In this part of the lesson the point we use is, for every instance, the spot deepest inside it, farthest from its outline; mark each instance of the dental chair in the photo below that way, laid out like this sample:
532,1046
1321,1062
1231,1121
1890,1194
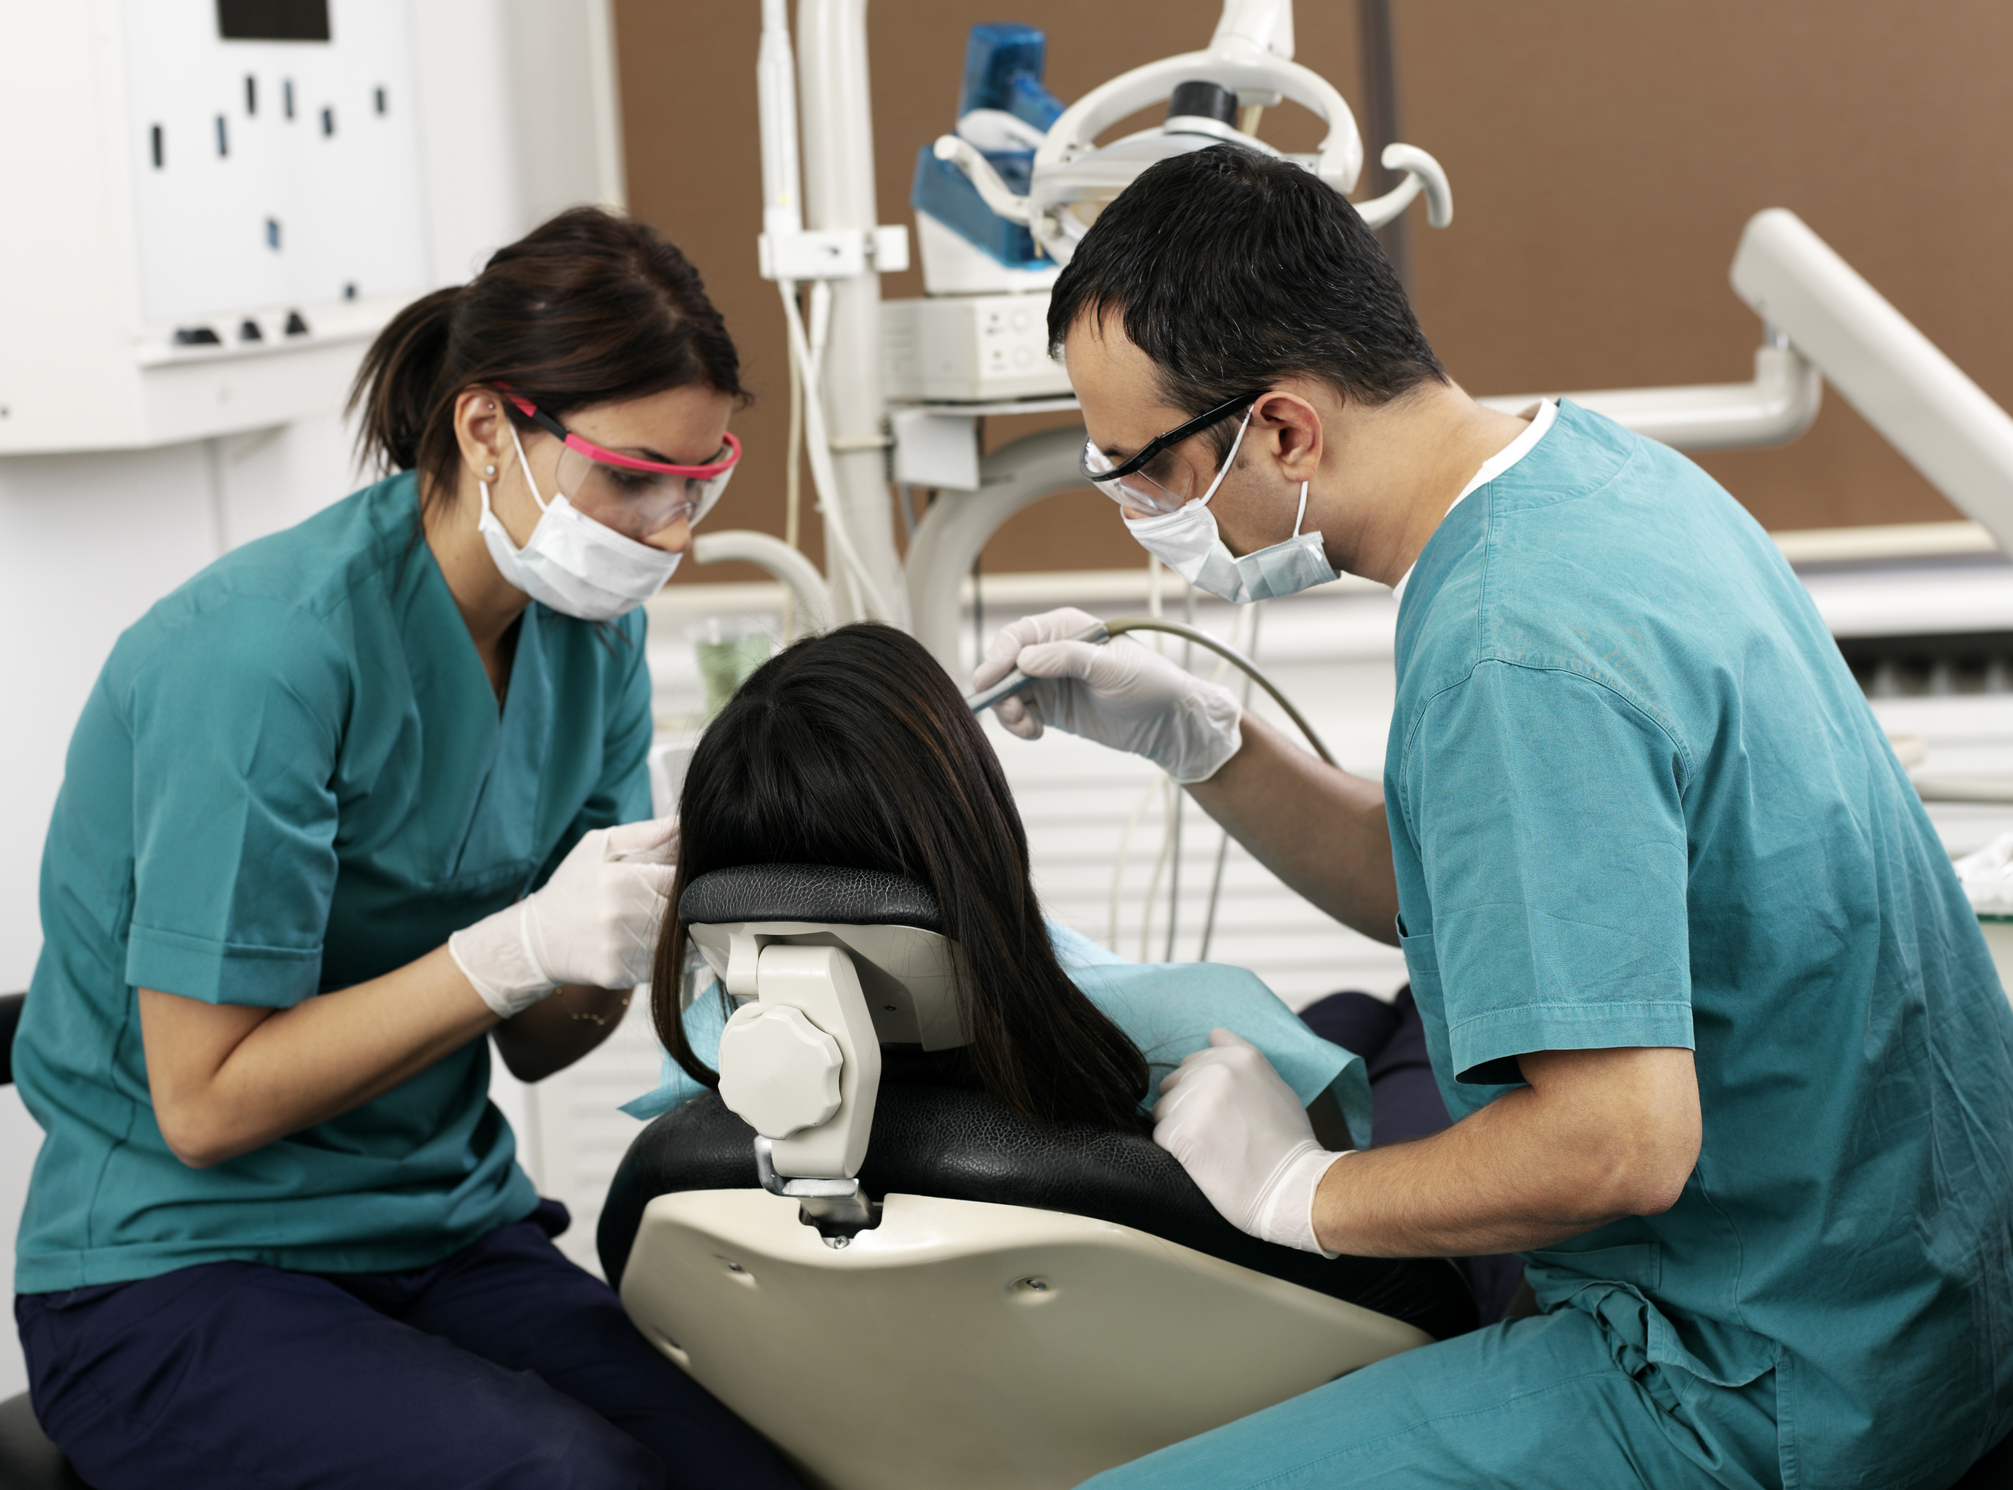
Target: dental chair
902,1284
1119,1310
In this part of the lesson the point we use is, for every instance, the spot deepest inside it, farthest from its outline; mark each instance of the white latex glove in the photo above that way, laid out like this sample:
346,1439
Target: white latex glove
1244,1138
594,922
1117,693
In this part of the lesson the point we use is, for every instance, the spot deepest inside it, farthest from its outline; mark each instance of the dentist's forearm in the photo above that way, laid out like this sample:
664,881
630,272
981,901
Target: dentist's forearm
1596,1136
229,1078
1321,830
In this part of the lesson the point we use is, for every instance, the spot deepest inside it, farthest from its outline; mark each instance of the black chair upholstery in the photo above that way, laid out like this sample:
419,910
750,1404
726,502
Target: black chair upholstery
808,892
10,1020
1993,1471
28,1461
959,1144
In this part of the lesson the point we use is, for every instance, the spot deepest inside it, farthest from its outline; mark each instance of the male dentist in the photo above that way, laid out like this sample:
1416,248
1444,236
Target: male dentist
1729,1062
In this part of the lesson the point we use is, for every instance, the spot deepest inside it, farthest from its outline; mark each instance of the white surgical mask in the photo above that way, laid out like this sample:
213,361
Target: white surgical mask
1187,542
572,563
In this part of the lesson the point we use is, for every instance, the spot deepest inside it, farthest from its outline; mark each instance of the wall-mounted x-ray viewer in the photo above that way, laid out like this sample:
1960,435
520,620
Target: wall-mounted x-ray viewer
223,202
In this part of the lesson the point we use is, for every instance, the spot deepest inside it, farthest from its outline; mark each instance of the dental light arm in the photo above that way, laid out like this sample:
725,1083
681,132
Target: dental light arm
1422,173
1774,408
1232,62
1946,426
1825,321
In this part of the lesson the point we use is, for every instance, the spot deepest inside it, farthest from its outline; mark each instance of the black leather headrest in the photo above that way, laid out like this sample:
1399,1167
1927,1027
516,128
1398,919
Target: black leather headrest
808,892
10,1020
960,1144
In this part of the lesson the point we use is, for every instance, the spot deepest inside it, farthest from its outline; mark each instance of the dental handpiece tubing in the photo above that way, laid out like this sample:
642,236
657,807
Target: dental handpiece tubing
1017,681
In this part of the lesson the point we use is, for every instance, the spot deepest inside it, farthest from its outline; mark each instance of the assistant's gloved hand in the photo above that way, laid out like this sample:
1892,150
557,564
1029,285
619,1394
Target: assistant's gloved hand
1119,694
1244,1138
594,922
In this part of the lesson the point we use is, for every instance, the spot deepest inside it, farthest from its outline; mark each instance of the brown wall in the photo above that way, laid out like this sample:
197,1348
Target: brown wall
1603,158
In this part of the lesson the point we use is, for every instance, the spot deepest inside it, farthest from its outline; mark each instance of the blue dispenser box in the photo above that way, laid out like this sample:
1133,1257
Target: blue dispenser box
1003,70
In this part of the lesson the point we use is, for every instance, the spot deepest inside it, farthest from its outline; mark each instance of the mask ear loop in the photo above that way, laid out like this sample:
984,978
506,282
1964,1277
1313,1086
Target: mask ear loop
525,466
1242,426
1300,516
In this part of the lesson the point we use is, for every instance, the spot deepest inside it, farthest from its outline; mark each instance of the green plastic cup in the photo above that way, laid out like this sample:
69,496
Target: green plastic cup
728,649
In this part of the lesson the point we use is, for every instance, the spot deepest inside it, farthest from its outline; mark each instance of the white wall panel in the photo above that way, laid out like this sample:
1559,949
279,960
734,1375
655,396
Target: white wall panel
272,173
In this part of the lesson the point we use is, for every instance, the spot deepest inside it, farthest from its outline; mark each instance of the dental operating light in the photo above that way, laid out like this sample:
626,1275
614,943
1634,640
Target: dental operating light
1248,60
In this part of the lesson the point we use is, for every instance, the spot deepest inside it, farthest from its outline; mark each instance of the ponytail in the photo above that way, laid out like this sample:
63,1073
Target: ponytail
398,389
587,308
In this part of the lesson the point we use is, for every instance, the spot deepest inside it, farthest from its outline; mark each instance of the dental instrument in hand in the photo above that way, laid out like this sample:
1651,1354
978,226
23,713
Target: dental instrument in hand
1018,681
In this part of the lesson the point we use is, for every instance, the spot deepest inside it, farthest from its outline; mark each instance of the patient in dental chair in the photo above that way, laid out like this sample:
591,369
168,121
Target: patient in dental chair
855,749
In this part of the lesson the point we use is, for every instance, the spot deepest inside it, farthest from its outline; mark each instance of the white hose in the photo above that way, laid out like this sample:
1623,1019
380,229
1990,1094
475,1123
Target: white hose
1171,800
1175,800
793,482
823,477
1246,641
1244,635
1118,859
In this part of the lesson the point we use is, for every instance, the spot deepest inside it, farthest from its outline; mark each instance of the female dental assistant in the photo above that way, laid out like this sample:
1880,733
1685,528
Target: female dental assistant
339,811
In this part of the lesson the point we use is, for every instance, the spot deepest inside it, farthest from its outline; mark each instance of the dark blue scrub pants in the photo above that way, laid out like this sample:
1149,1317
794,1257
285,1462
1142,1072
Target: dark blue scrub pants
504,1366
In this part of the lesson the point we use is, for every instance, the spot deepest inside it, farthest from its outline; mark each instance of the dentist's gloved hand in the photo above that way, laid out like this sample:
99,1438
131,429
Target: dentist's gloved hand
1119,694
594,922
1244,1138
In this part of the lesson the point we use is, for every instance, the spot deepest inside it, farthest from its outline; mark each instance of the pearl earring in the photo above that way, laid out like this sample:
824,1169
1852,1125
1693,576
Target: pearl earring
489,471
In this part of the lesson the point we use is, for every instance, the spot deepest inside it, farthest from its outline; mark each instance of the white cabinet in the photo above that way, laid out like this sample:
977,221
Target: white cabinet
202,229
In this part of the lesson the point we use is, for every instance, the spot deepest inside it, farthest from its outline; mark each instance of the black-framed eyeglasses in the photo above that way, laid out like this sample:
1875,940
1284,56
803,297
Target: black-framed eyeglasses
1126,483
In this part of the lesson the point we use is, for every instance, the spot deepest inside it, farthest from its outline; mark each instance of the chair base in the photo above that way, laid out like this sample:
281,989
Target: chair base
985,1346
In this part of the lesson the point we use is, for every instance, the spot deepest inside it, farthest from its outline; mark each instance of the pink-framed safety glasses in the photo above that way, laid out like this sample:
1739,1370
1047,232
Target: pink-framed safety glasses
633,495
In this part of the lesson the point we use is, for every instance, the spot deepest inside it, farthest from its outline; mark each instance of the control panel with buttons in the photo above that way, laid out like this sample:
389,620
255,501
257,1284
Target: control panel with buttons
969,349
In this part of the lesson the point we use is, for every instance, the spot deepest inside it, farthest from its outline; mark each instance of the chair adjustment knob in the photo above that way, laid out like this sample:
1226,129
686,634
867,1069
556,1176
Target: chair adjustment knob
778,1071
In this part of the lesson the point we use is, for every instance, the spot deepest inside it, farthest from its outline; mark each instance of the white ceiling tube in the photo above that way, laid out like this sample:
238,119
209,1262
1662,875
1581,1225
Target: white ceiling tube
789,565
1921,402
1773,409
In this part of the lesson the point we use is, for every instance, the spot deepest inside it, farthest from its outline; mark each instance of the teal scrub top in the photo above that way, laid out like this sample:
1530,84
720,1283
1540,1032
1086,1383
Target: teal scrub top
291,777
1166,1009
1636,799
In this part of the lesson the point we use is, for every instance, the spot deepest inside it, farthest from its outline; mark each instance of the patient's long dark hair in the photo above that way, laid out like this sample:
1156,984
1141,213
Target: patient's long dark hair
855,749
